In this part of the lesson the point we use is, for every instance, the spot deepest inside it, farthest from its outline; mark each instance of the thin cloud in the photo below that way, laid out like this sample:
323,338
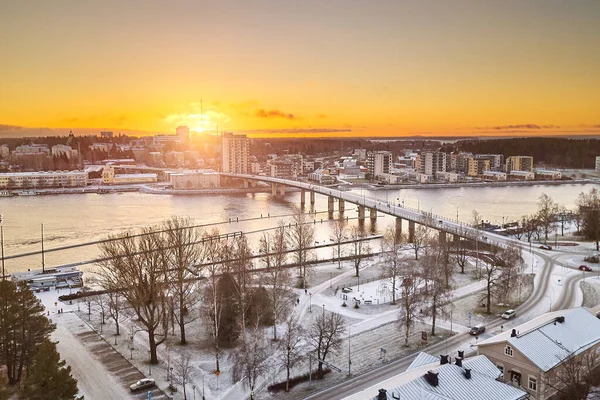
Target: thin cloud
296,131
261,113
4,127
521,126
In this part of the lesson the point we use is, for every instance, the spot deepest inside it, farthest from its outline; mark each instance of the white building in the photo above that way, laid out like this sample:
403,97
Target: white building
597,163
419,177
321,176
448,176
234,153
547,174
360,153
61,149
379,163
4,151
32,148
524,175
204,179
110,178
494,175
105,147
431,162
51,179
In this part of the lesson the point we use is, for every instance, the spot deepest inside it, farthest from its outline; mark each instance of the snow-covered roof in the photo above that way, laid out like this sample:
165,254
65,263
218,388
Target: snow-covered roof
547,342
452,382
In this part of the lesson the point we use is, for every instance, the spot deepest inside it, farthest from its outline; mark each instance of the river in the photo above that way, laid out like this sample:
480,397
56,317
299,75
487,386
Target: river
78,218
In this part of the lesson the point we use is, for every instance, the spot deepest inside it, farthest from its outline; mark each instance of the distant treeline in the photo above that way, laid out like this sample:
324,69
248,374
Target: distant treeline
552,152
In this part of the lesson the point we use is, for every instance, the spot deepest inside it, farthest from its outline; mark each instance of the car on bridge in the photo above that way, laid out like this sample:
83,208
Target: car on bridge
585,268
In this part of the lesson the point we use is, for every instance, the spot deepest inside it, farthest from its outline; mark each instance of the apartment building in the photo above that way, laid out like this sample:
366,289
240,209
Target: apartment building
188,180
477,166
432,162
234,153
519,163
52,179
379,163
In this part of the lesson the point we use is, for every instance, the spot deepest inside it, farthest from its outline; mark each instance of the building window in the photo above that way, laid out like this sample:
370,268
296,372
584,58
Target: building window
532,385
508,351
500,368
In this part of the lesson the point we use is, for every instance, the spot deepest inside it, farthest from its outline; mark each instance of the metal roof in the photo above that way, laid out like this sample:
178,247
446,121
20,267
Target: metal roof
549,344
453,385
422,359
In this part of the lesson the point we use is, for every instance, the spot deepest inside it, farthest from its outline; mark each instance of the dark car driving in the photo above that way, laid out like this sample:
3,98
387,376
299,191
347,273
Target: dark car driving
477,330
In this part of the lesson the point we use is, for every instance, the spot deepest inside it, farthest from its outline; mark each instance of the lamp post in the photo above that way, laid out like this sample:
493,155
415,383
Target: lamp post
349,357
310,302
194,389
323,312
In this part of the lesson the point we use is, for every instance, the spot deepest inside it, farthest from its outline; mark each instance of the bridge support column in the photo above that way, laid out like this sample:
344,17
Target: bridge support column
273,189
361,213
398,229
442,236
330,205
302,197
341,205
282,190
411,231
312,198
373,214
246,184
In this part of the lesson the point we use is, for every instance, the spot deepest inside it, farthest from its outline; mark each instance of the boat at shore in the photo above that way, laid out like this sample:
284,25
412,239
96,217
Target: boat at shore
6,193
27,193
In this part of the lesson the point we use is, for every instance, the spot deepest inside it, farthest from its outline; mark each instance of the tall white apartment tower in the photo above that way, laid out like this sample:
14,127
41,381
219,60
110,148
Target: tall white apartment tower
234,153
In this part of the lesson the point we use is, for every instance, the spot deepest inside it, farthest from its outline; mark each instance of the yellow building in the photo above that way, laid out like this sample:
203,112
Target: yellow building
519,163
110,178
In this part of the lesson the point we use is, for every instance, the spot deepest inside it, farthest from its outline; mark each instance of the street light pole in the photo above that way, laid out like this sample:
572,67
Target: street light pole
349,357
310,302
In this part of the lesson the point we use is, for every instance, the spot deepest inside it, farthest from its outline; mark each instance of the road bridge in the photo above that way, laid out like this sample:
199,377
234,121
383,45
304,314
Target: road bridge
413,216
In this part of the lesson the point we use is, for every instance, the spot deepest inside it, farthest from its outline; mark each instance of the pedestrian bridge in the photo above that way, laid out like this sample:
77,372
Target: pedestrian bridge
413,216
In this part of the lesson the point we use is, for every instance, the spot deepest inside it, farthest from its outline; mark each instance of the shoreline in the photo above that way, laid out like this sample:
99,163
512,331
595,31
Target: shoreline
162,191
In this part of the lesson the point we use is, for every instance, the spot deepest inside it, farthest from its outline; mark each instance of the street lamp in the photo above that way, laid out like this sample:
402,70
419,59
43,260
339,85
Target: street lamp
194,389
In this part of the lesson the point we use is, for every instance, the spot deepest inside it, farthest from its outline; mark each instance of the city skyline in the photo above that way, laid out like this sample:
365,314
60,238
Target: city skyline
339,68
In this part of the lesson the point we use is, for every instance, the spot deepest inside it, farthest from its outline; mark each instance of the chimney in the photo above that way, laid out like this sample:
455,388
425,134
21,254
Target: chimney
468,373
382,394
513,333
459,361
560,319
461,353
432,378
443,359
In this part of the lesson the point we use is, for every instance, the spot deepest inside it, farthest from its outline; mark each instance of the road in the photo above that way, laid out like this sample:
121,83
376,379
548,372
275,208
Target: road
463,341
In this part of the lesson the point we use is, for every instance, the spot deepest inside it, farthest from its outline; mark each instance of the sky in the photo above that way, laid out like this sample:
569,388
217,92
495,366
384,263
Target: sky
302,68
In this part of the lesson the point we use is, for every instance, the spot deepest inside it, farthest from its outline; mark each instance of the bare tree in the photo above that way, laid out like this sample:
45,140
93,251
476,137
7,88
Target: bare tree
134,265
183,252
577,218
213,297
434,269
301,236
101,300
115,309
183,372
410,299
576,377
511,263
325,333
360,248
394,260
420,236
250,361
292,347
277,275
589,211
339,234
492,274
546,213
241,268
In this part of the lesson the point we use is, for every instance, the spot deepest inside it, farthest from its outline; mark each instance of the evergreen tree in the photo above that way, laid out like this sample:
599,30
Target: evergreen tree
48,377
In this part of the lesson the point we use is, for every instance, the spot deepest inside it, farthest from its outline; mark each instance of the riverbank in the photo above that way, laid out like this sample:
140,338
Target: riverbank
479,184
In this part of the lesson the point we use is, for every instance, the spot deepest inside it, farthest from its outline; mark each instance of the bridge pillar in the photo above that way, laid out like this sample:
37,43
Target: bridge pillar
341,205
442,236
330,205
302,197
312,198
246,185
273,189
411,231
282,190
361,213
373,214
398,229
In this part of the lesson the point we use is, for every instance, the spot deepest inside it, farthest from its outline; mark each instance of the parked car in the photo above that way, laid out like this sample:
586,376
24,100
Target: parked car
142,384
477,329
508,314
585,268
546,247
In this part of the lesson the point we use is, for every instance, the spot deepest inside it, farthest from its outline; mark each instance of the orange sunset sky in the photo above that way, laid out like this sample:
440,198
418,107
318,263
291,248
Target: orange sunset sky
310,67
